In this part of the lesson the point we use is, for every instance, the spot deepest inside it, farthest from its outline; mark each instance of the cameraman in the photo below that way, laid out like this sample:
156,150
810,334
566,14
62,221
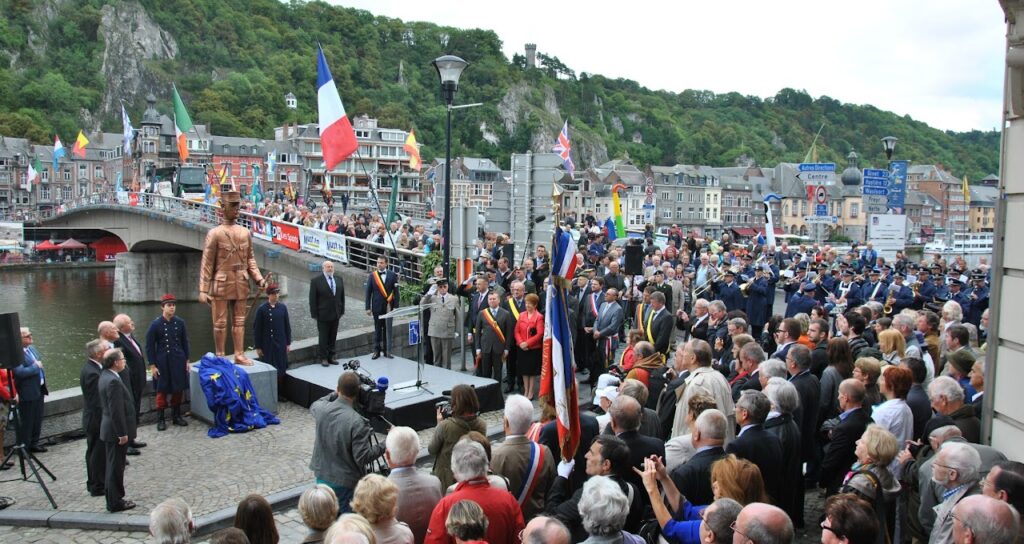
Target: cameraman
342,447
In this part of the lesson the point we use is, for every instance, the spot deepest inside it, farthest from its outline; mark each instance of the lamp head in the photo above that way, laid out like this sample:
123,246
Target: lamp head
889,144
449,69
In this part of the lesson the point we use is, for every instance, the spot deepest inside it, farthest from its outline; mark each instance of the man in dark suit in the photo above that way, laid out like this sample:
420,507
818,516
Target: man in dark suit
626,414
839,451
588,431
117,428
30,382
493,340
749,377
756,444
326,306
798,363
92,414
693,478
660,326
697,323
136,362
381,298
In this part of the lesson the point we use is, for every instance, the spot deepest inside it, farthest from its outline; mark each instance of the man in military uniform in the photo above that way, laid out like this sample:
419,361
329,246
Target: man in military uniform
445,313
272,333
168,353
227,265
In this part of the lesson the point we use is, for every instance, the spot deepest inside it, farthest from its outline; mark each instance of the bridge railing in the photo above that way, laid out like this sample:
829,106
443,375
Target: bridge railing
355,252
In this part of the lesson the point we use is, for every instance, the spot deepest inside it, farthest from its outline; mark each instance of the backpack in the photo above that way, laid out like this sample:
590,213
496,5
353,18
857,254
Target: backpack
656,380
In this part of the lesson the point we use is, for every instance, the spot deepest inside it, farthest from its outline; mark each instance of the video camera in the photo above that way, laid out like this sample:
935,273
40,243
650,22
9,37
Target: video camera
371,394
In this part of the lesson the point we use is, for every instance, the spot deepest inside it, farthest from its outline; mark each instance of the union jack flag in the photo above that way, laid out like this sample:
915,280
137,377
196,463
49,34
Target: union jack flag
564,149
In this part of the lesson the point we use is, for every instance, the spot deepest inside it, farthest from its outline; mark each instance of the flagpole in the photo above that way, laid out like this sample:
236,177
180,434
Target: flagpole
376,202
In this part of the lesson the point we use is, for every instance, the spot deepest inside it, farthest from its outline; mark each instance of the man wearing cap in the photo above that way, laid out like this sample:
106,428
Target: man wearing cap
167,349
729,292
227,265
658,281
978,296
272,333
792,287
445,312
874,288
959,295
903,296
802,304
847,291
925,288
757,299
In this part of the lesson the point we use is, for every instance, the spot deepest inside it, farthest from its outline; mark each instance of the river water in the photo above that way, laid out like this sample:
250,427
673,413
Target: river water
63,307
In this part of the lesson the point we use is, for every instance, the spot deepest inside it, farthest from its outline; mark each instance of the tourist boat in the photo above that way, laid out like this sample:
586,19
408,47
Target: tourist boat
966,243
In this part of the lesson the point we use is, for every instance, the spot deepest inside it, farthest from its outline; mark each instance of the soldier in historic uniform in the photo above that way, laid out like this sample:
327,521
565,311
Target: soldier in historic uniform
227,265
272,333
168,353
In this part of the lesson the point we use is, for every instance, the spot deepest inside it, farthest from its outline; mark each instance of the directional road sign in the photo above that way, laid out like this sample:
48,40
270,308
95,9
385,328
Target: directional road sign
876,191
821,219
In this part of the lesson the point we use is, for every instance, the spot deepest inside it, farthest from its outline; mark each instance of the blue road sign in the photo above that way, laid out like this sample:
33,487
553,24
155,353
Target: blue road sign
882,183
414,332
821,209
876,191
897,184
875,173
817,167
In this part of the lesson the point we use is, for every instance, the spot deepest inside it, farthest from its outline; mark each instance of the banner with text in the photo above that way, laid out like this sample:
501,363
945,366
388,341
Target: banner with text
313,241
287,235
888,234
261,229
335,247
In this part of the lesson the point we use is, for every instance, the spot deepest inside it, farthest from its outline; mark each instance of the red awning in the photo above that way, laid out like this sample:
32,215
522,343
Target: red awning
744,231
778,231
107,248
71,243
45,245
927,231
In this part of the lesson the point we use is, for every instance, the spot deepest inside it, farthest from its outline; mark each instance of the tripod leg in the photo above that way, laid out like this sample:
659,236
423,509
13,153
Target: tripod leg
32,461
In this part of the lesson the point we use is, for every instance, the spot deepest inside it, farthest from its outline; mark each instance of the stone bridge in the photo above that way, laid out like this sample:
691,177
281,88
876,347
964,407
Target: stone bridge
165,236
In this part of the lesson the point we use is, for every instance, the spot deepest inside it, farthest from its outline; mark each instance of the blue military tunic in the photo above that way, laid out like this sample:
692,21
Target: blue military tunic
272,334
167,349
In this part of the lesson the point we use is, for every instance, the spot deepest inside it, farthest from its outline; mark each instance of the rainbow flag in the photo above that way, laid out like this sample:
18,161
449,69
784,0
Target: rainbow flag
620,226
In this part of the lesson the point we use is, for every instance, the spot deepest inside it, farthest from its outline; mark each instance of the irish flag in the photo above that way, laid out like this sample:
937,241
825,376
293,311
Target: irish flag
35,171
337,139
182,124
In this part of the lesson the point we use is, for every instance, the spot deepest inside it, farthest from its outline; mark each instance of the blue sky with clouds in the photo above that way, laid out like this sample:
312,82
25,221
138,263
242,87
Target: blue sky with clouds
939,61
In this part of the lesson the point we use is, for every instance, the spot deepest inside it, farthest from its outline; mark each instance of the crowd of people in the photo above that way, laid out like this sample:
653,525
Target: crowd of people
715,411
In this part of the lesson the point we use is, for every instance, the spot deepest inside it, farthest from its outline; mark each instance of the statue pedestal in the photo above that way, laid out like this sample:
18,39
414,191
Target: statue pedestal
264,382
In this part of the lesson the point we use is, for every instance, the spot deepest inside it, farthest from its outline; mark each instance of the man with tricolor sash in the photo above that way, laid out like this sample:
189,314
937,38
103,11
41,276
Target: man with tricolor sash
381,298
493,338
528,466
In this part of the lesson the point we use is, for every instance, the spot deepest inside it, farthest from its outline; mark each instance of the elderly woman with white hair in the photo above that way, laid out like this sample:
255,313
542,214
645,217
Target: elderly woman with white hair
171,522
604,507
318,507
785,401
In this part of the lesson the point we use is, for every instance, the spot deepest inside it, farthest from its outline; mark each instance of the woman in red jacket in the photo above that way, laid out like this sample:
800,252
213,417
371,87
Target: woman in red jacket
8,397
529,340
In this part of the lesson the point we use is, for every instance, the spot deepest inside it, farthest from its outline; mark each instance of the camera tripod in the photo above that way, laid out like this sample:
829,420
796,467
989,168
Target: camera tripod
26,457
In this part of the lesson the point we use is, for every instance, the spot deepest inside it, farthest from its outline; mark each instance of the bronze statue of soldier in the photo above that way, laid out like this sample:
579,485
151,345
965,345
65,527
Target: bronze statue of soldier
228,264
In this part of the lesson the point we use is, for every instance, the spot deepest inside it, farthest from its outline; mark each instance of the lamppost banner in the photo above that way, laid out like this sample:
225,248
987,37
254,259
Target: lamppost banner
897,185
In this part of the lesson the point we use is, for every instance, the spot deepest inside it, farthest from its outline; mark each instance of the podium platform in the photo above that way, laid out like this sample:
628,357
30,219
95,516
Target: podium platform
264,382
411,407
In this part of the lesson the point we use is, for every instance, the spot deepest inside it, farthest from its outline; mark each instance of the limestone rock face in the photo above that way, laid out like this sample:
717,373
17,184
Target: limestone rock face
131,39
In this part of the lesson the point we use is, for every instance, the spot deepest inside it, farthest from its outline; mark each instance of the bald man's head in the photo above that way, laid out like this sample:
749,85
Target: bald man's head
764,524
545,530
979,518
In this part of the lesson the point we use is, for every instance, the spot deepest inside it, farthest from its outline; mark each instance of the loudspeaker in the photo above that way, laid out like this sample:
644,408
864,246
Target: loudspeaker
634,260
11,354
509,251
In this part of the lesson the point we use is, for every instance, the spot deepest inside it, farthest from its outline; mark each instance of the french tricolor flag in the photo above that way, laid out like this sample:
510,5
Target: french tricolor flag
337,139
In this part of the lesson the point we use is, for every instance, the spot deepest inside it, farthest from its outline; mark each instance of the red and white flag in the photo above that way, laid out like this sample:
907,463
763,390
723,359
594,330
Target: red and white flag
337,139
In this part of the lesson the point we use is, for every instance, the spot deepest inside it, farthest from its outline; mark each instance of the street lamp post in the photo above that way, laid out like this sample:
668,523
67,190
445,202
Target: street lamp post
449,68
